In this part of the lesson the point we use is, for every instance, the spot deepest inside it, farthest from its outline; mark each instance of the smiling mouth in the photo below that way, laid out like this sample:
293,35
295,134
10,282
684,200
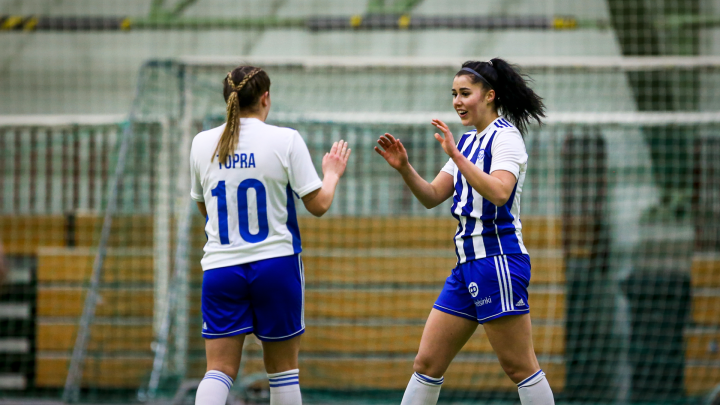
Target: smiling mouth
462,113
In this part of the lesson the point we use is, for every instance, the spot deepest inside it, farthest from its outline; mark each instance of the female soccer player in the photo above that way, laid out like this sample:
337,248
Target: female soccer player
245,174
485,175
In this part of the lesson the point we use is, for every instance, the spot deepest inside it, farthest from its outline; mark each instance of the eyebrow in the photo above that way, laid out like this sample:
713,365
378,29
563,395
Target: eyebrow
463,88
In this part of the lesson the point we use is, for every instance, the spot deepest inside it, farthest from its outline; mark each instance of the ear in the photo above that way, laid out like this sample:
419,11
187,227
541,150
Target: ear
490,96
265,99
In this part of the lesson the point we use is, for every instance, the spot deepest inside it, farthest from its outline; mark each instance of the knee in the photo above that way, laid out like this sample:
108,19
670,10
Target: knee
226,369
514,373
277,364
517,373
425,366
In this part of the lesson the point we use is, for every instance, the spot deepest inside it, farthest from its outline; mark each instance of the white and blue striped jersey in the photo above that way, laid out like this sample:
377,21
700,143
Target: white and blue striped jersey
484,229
250,198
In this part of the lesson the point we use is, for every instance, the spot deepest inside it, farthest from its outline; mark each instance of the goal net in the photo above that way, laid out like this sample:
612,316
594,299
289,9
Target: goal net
620,213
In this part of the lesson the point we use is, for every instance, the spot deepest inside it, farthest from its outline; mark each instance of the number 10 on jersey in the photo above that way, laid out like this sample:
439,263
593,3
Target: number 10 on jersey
242,210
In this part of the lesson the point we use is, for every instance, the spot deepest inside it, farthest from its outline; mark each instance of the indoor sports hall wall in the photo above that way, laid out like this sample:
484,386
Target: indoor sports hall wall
621,206
95,72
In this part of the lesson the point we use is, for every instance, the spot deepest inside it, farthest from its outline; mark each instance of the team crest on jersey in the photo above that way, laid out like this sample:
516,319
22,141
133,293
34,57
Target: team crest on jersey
473,289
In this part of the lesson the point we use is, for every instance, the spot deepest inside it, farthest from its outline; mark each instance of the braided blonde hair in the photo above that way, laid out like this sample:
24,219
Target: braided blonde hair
230,136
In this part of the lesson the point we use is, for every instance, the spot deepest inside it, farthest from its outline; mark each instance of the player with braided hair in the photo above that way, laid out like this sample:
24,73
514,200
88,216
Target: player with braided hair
253,276
484,175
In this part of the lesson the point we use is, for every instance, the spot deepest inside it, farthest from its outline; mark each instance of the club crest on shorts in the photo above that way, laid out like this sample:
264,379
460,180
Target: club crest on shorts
473,289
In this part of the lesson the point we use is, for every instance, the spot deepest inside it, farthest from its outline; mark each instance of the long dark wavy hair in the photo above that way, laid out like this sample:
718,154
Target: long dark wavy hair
513,98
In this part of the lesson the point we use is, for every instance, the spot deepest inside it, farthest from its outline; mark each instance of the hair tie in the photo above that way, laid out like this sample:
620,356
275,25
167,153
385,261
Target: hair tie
490,63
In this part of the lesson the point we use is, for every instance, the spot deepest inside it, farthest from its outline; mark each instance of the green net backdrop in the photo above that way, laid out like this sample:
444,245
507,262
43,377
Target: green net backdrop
620,208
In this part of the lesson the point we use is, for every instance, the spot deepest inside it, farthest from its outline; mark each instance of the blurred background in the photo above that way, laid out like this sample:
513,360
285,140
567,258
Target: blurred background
99,101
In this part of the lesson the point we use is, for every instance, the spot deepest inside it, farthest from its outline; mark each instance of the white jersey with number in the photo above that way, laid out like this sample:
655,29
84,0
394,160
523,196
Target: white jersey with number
251,197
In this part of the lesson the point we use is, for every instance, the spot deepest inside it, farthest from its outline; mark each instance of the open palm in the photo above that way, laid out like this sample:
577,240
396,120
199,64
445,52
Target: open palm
447,142
392,151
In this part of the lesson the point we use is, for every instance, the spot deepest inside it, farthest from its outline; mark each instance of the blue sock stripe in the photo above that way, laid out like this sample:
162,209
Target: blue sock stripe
432,384
221,375
529,379
284,384
218,379
278,379
429,380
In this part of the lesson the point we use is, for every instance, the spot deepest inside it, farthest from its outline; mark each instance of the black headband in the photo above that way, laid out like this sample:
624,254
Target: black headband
467,69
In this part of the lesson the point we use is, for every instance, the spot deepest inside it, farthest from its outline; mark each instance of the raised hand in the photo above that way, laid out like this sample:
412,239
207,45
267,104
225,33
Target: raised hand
392,151
447,142
335,161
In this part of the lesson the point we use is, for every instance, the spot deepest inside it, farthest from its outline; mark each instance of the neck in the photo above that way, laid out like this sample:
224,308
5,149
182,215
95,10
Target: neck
260,114
486,120
261,117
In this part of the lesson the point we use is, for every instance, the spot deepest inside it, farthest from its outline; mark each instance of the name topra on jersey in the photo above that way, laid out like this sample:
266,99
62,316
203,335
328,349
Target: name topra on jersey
250,198
484,229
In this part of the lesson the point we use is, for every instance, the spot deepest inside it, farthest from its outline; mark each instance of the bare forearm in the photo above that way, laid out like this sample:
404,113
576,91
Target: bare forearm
425,192
491,188
320,203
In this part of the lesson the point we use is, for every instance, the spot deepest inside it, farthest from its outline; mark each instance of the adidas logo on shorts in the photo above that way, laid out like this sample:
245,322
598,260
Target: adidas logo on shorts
204,325
520,303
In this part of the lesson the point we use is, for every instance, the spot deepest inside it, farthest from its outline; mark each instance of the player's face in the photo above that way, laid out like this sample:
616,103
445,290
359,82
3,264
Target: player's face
467,100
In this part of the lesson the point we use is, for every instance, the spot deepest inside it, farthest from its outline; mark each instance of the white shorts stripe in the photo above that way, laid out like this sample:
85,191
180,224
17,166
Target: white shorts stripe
500,283
280,337
227,333
503,273
509,279
457,312
302,281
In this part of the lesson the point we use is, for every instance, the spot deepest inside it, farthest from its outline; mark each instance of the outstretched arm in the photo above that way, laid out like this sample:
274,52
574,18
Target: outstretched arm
429,194
333,165
496,187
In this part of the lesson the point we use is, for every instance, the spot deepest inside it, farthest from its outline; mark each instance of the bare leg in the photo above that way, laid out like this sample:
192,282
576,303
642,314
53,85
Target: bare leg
281,363
223,361
511,338
224,354
443,337
281,356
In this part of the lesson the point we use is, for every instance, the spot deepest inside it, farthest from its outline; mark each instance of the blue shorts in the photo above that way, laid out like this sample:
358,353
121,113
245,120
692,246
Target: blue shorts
264,297
487,288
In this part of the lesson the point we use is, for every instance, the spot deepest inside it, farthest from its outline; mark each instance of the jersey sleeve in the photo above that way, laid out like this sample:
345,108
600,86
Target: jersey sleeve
301,172
196,190
508,153
449,167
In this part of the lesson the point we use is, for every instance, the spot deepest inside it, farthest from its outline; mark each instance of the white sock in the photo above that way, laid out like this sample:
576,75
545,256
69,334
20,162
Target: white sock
213,389
285,388
535,390
422,390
